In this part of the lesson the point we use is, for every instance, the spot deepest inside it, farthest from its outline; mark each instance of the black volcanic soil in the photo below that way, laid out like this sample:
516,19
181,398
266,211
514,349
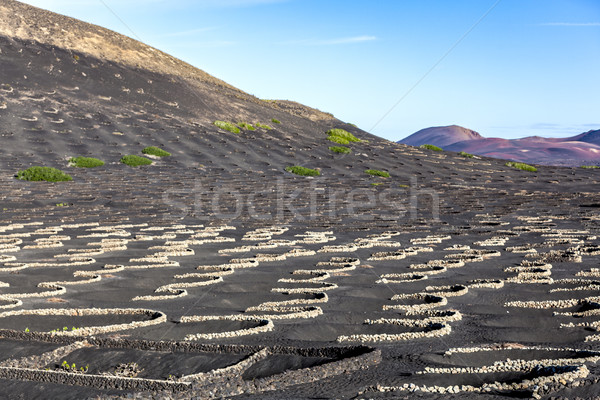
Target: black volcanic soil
221,186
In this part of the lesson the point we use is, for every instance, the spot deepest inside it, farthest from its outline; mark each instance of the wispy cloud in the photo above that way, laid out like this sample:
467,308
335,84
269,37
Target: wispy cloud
545,125
575,24
355,39
190,32
209,44
331,42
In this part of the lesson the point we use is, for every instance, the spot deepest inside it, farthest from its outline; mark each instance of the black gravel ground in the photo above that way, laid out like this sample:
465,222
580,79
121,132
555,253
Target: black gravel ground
216,178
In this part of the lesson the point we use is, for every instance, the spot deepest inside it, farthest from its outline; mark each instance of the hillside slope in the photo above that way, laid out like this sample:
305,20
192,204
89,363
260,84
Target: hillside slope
62,98
592,136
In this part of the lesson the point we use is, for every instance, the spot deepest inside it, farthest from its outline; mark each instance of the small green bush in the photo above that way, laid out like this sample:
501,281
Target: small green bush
430,147
247,126
43,174
135,161
263,126
228,126
524,167
340,149
376,172
85,162
590,166
156,151
338,140
465,154
376,183
275,121
341,134
302,171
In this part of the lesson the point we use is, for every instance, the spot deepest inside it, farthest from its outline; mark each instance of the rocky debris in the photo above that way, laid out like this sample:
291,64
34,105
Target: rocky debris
263,325
531,272
429,301
432,330
486,283
125,370
560,256
541,377
447,290
341,248
177,290
155,318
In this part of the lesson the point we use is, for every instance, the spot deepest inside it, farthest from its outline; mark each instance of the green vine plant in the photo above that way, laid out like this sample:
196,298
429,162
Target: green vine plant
65,366
64,329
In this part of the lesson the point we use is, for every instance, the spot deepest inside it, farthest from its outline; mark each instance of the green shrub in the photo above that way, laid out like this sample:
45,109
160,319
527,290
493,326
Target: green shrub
524,167
263,126
156,151
228,126
376,172
376,183
430,147
403,186
43,174
85,162
590,166
135,161
275,121
465,154
302,171
247,126
341,134
340,149
338,140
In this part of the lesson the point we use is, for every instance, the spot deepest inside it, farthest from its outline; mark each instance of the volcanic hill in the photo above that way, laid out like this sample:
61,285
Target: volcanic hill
441,136
222,271
583,149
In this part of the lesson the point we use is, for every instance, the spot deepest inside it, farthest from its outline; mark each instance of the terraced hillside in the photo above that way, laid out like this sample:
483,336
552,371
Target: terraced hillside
214,272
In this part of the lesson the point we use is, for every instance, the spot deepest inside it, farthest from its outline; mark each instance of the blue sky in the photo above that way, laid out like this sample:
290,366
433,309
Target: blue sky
508,68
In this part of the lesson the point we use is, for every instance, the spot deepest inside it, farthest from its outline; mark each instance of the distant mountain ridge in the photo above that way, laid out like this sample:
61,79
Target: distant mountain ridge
441,136
589,137
571,151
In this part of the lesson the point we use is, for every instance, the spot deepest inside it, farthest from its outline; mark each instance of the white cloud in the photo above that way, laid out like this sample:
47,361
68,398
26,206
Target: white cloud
577,24
190,32
329,42
208,44
355,39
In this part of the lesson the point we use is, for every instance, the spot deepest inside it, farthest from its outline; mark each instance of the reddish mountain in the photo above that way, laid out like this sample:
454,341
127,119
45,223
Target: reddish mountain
441,136
572,151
